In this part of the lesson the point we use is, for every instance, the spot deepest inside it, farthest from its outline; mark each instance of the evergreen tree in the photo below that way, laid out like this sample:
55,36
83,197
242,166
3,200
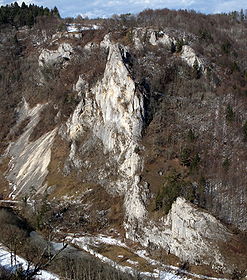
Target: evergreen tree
55,12
24,6
24,15
241,15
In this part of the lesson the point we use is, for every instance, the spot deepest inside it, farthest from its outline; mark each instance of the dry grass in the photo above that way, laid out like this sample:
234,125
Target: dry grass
113,252
235,252
206,271
163,257
70,185
100,200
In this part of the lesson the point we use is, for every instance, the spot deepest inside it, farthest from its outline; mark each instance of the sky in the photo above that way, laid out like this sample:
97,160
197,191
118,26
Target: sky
106,8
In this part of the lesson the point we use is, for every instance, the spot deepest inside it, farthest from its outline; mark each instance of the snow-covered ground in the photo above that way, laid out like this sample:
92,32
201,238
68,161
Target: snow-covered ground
83,242
86,242
77,27
162,272
5,261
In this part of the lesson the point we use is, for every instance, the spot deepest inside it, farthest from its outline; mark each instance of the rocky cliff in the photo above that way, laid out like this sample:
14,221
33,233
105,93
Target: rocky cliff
154,111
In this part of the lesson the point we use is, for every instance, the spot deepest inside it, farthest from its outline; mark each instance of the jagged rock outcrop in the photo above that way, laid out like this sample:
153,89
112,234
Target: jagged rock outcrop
162,38
187,54
113,112
90,46
70,35
51,57
106,42
187,232
190,57
139,37
81,86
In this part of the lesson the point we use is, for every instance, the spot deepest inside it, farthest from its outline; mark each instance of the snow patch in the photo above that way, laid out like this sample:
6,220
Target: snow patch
5,261
78,27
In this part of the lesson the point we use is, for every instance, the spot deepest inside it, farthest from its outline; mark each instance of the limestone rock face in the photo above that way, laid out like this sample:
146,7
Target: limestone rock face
90,46
187,232
70,35
51,57
193,230
106,42
139,37
189,56
157,38
29,160
113,113
81,86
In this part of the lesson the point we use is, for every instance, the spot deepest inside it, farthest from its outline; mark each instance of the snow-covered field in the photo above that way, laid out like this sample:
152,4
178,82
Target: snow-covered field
5,261
78,28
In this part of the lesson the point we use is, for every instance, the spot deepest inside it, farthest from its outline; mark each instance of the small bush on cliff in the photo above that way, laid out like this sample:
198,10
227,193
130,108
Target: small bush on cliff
179,45
245,131
226,47
226,164
168,193
189,158
192,136
230,115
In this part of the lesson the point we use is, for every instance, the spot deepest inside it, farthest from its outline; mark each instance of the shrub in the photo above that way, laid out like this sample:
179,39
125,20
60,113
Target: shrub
168,193
226,163
230,115
173,48
195,161
186,157
245,131
234,67
226,47
191,136
190,159
174,186
179,45
204,34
